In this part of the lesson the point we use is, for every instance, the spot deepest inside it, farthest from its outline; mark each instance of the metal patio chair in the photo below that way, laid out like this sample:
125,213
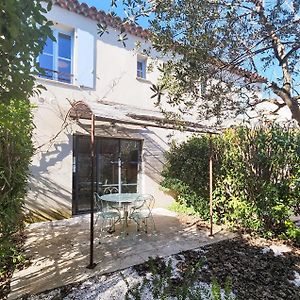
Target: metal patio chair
110,190
141,211
108,214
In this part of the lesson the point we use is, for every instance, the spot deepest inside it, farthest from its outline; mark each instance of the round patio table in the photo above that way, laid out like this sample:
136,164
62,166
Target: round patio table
121,198
124,200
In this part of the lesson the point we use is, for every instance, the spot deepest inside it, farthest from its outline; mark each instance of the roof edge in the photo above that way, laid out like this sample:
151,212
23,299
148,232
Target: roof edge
102,17
138,31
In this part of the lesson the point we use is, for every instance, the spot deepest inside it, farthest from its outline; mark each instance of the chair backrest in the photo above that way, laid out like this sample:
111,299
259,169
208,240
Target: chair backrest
110,190
144,201
103,206
150,201
98,202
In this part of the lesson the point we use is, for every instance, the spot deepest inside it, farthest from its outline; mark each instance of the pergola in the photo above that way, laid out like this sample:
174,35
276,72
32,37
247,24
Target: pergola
116,113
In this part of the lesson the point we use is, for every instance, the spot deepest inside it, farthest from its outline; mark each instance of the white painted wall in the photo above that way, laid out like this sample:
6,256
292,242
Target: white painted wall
50,189
115,66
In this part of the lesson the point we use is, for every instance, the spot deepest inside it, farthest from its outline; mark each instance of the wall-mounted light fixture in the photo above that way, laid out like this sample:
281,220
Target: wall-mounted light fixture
113,127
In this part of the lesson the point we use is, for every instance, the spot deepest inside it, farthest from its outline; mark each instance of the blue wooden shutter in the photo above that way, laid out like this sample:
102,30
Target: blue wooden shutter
85,59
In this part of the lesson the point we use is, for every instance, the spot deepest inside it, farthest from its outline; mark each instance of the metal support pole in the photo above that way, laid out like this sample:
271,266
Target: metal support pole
211,185
92,149
119,175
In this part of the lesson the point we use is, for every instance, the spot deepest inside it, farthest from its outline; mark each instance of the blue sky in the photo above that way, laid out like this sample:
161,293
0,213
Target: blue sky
105,5
100,4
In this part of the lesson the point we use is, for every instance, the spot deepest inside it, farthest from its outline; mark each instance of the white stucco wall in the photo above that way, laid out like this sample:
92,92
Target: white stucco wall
50,189
115,65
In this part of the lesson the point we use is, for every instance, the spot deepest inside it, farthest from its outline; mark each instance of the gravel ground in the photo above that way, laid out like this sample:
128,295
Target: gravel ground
259,270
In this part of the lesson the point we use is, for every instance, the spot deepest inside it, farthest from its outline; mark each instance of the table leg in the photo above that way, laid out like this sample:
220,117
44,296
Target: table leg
125,219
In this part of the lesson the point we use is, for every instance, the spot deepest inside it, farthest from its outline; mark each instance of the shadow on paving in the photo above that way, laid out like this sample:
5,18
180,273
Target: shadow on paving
59,250
255,275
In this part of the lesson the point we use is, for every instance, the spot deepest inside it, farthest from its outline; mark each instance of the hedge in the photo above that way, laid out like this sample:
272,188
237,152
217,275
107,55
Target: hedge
16,150
256,178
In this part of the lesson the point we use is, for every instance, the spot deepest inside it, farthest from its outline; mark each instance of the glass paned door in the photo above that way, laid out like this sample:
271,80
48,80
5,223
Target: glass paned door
117,164
107,154
81,174
129,155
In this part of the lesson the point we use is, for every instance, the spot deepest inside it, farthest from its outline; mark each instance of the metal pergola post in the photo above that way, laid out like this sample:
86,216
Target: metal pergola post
211,185
92,264
82,110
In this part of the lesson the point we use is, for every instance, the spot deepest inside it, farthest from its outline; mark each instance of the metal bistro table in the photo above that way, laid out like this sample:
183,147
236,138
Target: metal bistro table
124,201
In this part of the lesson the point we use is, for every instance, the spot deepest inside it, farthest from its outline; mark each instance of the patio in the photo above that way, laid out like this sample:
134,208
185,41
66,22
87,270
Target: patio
59,250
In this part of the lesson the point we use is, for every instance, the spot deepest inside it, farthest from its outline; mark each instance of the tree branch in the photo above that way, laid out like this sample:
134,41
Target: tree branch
295,48
291,102
278,47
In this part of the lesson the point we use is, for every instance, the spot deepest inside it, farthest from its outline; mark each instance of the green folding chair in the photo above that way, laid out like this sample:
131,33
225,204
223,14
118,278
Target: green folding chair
107,214
141,211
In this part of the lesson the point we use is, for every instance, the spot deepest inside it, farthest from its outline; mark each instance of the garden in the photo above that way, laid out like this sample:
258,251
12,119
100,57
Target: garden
256,176
256,170
241,268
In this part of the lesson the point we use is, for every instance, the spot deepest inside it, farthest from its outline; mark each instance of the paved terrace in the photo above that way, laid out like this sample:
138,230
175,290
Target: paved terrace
59,250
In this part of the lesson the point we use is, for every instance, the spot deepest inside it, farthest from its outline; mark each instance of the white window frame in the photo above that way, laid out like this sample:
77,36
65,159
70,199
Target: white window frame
143,71
55,56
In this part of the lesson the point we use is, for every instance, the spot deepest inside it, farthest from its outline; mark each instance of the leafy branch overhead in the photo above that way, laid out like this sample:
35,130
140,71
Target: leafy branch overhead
23,33
239,49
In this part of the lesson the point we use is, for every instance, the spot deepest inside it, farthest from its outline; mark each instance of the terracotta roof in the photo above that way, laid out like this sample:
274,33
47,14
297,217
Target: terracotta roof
116,22
253,77
101,17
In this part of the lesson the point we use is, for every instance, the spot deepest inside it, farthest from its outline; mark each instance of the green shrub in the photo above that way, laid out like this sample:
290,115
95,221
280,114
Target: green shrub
186,173
256,177
16,150
163,285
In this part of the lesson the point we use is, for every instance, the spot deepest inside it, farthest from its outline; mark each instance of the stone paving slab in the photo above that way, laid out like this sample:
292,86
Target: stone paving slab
59,250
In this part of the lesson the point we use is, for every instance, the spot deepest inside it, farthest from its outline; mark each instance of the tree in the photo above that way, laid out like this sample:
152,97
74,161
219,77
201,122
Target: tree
23,33
232,45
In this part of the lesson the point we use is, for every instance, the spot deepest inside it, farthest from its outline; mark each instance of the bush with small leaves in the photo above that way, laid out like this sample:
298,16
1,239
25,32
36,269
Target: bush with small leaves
256,178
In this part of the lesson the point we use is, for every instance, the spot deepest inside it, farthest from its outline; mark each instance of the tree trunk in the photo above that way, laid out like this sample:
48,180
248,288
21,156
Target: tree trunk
290,101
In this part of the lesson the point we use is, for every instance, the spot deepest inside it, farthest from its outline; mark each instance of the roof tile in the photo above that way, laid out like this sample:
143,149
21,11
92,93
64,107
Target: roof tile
116,22
100,16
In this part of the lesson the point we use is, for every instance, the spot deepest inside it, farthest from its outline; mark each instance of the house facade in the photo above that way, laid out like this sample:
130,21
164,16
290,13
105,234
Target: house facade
82,66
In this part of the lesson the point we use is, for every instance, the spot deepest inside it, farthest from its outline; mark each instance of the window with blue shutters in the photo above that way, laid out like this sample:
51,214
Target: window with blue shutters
85,48
56,59
141,67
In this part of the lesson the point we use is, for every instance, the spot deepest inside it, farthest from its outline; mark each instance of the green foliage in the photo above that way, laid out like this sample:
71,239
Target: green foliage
215,49
208,41
163,285
16,150
23,32
256,178
182,173
183,209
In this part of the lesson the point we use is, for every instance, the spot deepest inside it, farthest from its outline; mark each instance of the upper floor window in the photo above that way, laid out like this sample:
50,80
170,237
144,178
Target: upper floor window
56,58
141,67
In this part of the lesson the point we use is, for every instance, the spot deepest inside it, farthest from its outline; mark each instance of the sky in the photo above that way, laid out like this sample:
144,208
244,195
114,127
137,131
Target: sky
99,4
105,5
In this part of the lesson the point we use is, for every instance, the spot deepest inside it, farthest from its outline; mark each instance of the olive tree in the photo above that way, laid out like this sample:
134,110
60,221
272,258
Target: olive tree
234,47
